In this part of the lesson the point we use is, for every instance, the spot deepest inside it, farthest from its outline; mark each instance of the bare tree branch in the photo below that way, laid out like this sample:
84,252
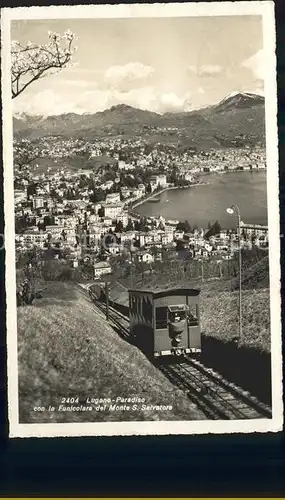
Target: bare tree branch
24,154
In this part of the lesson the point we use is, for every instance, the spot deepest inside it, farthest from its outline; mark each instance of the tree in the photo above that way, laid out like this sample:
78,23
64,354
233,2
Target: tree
180,246
109,239
130,225
48,220
32,61
173,175
101,212
31,190
119,227
148,189
184,226
25,153
21,224
214,229
97,196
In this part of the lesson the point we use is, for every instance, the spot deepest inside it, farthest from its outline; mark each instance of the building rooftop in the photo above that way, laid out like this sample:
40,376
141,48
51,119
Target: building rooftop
100,265
112,205
167,291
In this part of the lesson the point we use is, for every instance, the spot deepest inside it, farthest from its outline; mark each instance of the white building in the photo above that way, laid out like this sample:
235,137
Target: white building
145,257
101,269
161,180
188,176
141,188
123,217
107,185
19,195
121,164
42,202
31,238
68,235
55,231
115,249
112,210
254,229
38,202
113,198
169,230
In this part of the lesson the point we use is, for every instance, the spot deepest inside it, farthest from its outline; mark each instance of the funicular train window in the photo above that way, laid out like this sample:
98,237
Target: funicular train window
161,317
133,304
136,305
146,309
140,305
177,313
192,317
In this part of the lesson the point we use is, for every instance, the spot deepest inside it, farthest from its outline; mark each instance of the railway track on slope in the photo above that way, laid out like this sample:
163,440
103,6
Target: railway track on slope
116,319
215,396
218,398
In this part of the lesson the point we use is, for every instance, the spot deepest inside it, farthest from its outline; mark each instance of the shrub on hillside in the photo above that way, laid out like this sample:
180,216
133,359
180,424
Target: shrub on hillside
56,270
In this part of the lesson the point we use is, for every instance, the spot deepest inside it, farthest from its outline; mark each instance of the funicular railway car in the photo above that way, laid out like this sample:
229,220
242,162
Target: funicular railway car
97,291
165,322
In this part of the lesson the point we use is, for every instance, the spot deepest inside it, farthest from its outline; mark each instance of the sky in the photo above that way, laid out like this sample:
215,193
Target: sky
158,64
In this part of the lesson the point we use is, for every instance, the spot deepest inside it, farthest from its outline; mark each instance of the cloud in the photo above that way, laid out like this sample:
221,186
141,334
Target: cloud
76,83
171,101
120,76
210,70
75,69
192,69
51,102
201,90
80,96
205,70
56,101
256,64
143,98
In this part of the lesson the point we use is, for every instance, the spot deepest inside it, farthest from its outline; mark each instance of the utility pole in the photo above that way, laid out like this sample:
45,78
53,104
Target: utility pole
107,299
221,270
202,270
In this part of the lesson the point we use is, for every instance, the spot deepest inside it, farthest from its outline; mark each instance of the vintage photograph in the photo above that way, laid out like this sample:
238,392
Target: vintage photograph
141,219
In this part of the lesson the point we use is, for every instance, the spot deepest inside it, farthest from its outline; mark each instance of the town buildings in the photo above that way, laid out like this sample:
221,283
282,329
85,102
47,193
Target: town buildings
78,207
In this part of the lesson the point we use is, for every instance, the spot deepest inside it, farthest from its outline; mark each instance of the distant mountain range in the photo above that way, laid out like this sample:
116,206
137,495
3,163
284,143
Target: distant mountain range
239,118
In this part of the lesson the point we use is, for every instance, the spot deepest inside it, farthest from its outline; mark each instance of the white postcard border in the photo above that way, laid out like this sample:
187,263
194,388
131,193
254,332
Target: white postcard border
264,9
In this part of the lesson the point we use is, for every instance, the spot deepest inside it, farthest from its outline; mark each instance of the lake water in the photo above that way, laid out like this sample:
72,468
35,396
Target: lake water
202,204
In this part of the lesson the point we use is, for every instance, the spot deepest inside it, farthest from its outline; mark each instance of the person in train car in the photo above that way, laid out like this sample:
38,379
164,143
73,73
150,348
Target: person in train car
191,317
175,317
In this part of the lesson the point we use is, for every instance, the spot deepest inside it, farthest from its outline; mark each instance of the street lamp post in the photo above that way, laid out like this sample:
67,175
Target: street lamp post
235,209
131,268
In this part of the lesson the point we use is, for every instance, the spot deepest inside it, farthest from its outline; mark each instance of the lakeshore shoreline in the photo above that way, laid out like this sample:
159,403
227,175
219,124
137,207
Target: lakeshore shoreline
208,203
171,188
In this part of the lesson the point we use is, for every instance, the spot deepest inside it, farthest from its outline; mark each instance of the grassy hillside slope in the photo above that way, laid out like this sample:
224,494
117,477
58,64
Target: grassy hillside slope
66,348
219,316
